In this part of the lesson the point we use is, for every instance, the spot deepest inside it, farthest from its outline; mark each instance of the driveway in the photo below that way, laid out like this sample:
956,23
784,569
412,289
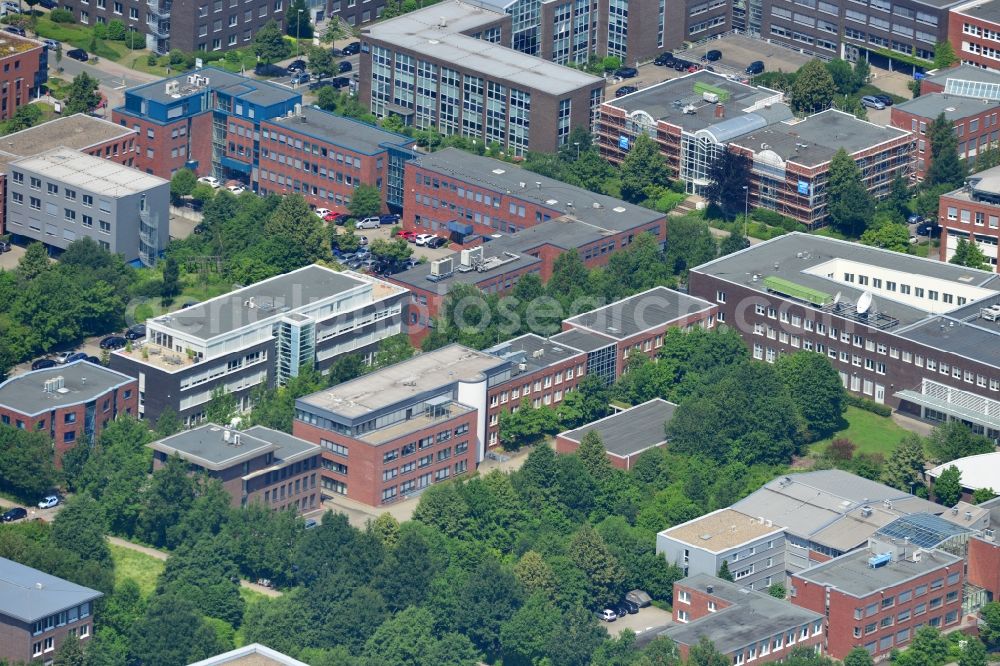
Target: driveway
9,260
738,51
646,624
34,513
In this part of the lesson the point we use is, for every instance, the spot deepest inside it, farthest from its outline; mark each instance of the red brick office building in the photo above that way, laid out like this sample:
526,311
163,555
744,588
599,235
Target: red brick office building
878,600
23,72
625,434
71,403
256,466
972,213
974,31
745,625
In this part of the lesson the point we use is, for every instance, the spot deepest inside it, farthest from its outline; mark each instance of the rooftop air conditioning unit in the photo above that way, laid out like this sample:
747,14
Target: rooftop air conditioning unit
866,512
442,266
472,256
917,554
710,97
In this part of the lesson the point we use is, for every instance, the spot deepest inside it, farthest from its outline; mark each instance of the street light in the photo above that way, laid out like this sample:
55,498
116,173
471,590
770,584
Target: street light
577,144
746,209
298,35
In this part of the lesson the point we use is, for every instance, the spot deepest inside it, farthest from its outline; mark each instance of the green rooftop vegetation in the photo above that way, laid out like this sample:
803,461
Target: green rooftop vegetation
700,87
789,288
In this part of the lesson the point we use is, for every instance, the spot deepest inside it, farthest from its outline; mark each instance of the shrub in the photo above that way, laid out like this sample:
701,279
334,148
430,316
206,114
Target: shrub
100,31
152,60
869,405
841,449
176,57
60,15
136,40
116,30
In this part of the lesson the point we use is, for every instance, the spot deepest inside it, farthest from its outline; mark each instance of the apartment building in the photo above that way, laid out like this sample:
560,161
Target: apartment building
877,599
323,157
72,403
81,132
923,340
259,335
61,195
541,371
257,465
696,117
207,120
184,25
753,548
24,70
444,67
972,213
744,625
39,612
393,432
626,434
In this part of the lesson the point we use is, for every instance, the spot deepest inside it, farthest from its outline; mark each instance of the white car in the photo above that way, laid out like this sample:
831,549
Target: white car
62,356
210,180
607,615
369,223
237,189
422,239
48,502
322,212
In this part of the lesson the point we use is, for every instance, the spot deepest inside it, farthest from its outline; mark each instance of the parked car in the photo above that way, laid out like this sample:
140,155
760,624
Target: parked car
94,360
336,53
639,597
50,44
310,524
914,219
78,356
626,72
756,67
43,363
135,332
630,606
332,217
265,582
620,609
693,67
885,99
323,212
607,615
434,242
362,240
236,189
368,223
297,65
407,235
872,102
930,229
713,55
344,66
264,69
61,357
78,54
16,30
211,181
48,4
48,502
423,238
113,342
299,78
4,247
353,48
625,90
391,218
17,513
664,60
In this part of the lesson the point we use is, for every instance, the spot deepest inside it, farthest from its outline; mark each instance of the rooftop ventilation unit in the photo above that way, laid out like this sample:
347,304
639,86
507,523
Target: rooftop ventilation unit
472,256
710,97
441,269
866,512
54,384
690,109
880,560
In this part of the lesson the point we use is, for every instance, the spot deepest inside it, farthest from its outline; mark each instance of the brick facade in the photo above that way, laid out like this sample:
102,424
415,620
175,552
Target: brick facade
984,565
960,216
23,72
18,645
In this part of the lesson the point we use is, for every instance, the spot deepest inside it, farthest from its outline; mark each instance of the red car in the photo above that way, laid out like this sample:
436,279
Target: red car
410,236
331,216
694,68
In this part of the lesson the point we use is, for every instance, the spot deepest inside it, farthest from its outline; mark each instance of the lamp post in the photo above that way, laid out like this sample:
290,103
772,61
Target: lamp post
577,144
746,209
298,35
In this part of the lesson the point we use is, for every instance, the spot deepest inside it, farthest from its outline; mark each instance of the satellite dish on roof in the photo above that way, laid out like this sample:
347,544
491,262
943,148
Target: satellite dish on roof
836,301
864,303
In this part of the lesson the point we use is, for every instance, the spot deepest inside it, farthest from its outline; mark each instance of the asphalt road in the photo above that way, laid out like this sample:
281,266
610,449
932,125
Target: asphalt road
112,77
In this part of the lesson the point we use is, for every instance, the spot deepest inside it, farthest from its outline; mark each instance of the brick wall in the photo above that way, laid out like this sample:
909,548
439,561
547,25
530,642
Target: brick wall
984,565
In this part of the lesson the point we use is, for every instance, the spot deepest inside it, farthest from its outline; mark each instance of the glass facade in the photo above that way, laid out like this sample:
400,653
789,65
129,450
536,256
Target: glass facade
617,27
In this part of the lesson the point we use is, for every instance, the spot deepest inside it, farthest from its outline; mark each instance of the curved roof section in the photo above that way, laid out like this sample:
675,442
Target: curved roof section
733,127
979,471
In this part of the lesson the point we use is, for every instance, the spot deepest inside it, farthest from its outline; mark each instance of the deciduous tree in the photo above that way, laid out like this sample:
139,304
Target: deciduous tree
269,44
813,89
948,486
366,201
642,167
82,96
848,203
730,177
812,375
969,255
946,168
904,468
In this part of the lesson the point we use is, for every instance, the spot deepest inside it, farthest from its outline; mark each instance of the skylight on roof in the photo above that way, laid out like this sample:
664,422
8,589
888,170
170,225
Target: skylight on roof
619,209
498,171
552,202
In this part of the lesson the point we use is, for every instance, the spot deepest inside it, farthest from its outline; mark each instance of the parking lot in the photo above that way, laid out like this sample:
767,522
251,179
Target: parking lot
419,252
738,51
650,620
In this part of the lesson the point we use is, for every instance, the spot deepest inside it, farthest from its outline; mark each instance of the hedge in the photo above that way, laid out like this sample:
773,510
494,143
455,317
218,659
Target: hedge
869,405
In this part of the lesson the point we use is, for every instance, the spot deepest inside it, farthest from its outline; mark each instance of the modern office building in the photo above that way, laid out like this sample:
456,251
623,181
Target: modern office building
207,120
696,117
745,625
71,403
38,612
972,213
973,30
877,599
444,67
827,513
184,25
24,70
256,466
61,195
753,548
626,434
925,338
258,335
323,157
87,134
390,434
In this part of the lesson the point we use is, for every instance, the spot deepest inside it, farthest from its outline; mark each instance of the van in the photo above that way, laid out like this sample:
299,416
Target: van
369,223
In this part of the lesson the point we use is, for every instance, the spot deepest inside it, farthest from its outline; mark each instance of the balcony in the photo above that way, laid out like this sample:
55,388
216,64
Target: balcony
160,8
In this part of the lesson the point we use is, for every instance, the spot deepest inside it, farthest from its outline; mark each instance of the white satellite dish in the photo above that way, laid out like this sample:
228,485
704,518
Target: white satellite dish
836,299
864,302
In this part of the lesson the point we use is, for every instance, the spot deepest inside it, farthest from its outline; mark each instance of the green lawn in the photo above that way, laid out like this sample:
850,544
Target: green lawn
871,433
140,567
830,232
79,36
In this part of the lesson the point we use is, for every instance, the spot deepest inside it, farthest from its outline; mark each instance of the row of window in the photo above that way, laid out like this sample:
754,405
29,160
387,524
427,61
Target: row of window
540,383
41,647
967,217
35,183
886,642
422,462
406,487
290,489
424,443
61,619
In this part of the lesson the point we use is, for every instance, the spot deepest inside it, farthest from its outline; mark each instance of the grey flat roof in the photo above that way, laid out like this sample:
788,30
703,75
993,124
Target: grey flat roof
289,446
752,617
582,340
206,446
851,573
987,181
629,316
534,351
422,32
29,595
825,506
988,11
507,179
82,382
631,430
341,131
273,297
254,91
954,107
88,172
666,101
796,252
815,140
78,132
978,339
407,379
965,73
